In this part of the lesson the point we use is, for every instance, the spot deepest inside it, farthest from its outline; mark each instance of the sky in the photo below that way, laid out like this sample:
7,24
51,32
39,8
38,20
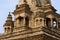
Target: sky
7,6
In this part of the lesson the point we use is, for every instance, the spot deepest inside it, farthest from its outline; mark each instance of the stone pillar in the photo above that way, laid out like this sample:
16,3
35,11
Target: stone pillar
45,22
57,24
18,23
51,22
24,21
15,23
5,30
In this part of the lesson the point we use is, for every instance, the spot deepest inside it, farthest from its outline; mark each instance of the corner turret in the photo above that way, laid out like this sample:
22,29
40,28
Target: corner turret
8,26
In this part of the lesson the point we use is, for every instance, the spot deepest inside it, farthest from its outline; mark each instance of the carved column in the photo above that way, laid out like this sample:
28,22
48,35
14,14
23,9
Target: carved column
45,22
51,22
24,21
17,22
57,24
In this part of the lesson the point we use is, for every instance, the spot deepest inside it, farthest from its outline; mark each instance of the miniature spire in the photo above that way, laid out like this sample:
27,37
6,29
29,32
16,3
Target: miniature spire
8,24
9,17
9,14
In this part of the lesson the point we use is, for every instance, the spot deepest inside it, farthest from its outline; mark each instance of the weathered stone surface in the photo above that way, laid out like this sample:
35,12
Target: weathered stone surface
33,20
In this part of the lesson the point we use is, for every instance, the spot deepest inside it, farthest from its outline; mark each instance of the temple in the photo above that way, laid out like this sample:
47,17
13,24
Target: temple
33,20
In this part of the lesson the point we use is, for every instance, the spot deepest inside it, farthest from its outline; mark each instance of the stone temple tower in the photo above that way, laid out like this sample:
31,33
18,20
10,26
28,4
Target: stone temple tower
33,20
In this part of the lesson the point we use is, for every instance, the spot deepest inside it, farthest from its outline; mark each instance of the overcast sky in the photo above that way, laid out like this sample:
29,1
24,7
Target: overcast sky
7,6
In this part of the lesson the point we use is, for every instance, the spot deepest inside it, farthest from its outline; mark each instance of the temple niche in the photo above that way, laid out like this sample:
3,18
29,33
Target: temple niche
51,23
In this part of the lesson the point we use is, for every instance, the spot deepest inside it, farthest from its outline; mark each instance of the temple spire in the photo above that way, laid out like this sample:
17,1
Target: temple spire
21,2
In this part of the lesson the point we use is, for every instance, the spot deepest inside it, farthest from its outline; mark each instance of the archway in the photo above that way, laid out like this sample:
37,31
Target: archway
48,22
26,21
54,23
